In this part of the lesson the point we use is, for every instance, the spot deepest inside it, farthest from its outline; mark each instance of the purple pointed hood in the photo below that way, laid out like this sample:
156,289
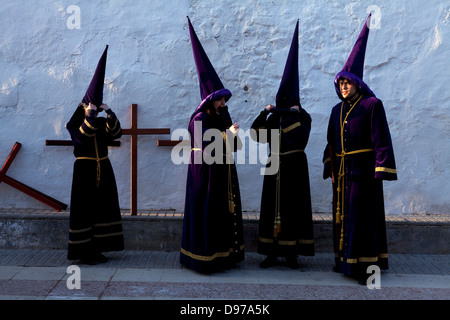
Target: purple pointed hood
354,67
288,93
211,88
94,93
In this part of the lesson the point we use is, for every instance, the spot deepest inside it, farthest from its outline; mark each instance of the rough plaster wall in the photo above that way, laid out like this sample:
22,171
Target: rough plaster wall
46,68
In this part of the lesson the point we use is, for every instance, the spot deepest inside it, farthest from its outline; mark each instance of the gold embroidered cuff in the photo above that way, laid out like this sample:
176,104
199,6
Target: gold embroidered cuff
383,169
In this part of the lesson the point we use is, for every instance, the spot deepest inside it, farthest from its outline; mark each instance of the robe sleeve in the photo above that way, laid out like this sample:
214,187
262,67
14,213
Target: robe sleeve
227,136
198,121
296,129
260,123
86,131
381,138
225,117
113,128
327,153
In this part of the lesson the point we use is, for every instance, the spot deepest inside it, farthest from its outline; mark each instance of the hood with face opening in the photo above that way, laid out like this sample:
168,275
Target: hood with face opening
211,88
354,67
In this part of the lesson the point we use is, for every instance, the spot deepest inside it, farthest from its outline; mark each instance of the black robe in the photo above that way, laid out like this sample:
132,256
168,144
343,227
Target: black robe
288,191
95,217
212,237
359,235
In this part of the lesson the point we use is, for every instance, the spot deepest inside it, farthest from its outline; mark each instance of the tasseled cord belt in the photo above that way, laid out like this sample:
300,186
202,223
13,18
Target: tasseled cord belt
98,159
341,174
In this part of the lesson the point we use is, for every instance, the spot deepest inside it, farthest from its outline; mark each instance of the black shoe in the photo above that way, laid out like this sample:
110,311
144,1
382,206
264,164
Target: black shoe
270,261
89,261
336,269
292,262
362,279
101,258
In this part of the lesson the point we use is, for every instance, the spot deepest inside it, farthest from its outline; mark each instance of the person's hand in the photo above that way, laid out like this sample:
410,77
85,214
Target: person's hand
234,128
297,108
270,107
104,107
87,110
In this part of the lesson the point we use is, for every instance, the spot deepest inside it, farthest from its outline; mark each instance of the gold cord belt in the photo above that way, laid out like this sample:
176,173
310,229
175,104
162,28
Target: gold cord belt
229,161
98,159
341,174
277,221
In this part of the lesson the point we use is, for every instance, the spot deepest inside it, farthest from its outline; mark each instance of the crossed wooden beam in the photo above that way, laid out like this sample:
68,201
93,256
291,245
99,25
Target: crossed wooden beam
134,131
55,204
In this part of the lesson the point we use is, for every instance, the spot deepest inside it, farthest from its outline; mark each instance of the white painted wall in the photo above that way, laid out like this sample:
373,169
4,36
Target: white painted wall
46,67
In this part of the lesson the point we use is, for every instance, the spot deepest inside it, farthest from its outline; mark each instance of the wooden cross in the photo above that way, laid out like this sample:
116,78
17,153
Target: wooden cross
134,131
69,143
55,204
171,143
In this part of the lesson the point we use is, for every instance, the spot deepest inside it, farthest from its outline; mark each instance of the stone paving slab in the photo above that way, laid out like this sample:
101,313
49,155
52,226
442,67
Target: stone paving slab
434,264
160,284
157,276
173,214
41,273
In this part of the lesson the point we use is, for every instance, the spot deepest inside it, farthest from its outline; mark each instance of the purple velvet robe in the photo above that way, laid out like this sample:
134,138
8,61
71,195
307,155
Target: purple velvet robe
362,230
212,237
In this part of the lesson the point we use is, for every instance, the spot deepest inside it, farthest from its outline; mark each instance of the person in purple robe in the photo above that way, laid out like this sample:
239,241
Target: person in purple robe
359,155
95,219
285,223
212,236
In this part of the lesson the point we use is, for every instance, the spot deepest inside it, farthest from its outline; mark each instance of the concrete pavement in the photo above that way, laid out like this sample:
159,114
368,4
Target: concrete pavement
147,276
34,274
